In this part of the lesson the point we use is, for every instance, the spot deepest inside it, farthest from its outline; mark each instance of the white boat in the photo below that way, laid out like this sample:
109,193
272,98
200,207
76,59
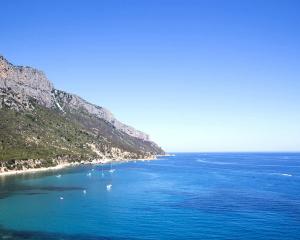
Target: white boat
111,169
58,176
84,191
108,187
89,174
61,198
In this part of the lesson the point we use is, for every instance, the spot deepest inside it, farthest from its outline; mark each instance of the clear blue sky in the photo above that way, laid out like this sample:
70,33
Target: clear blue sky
196,75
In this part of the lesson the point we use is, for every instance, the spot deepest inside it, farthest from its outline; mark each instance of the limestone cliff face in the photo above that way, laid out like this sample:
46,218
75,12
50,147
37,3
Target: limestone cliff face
19,85
25,82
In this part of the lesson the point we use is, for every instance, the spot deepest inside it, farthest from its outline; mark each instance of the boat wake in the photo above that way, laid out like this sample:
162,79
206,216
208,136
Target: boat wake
218,163
283,174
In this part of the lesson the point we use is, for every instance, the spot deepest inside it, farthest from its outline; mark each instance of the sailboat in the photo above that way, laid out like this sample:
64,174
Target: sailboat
108,187
111,169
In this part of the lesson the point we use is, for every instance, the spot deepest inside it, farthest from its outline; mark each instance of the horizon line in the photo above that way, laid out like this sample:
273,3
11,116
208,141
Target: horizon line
298,151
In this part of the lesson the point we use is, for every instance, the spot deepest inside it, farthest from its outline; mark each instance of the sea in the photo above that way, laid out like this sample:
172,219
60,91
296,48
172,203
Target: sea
185,196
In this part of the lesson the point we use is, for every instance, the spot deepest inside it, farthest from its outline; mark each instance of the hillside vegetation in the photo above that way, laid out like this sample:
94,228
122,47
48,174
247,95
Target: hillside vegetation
43,126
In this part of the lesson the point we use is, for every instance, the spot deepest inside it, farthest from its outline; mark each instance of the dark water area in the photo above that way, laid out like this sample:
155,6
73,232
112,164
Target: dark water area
187,196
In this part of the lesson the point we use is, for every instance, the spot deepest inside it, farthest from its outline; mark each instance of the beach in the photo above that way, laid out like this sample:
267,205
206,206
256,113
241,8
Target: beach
71,164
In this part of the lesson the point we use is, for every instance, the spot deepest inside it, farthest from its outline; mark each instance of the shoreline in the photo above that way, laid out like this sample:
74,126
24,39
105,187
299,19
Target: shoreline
72,164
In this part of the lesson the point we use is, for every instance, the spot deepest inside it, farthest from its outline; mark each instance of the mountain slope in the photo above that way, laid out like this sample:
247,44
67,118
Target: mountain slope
43,126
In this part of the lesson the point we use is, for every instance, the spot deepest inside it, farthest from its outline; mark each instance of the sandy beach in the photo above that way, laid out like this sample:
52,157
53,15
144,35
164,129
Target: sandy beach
71,164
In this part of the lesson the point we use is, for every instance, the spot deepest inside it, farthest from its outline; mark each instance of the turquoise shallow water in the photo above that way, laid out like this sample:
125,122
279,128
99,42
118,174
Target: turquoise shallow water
187,196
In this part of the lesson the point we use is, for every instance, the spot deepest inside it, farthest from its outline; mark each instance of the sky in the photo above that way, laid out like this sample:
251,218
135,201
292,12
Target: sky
197,75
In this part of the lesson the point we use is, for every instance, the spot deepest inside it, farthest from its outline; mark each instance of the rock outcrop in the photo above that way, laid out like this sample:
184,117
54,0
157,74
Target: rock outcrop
26,82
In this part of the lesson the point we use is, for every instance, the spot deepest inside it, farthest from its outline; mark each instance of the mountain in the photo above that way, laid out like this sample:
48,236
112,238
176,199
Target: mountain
42,126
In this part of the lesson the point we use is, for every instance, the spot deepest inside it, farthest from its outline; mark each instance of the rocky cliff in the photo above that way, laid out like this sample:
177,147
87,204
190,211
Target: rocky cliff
42,124
72,103
28,83
23,83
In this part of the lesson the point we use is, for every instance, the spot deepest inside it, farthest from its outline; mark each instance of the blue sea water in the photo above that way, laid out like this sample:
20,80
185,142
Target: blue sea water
187,196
